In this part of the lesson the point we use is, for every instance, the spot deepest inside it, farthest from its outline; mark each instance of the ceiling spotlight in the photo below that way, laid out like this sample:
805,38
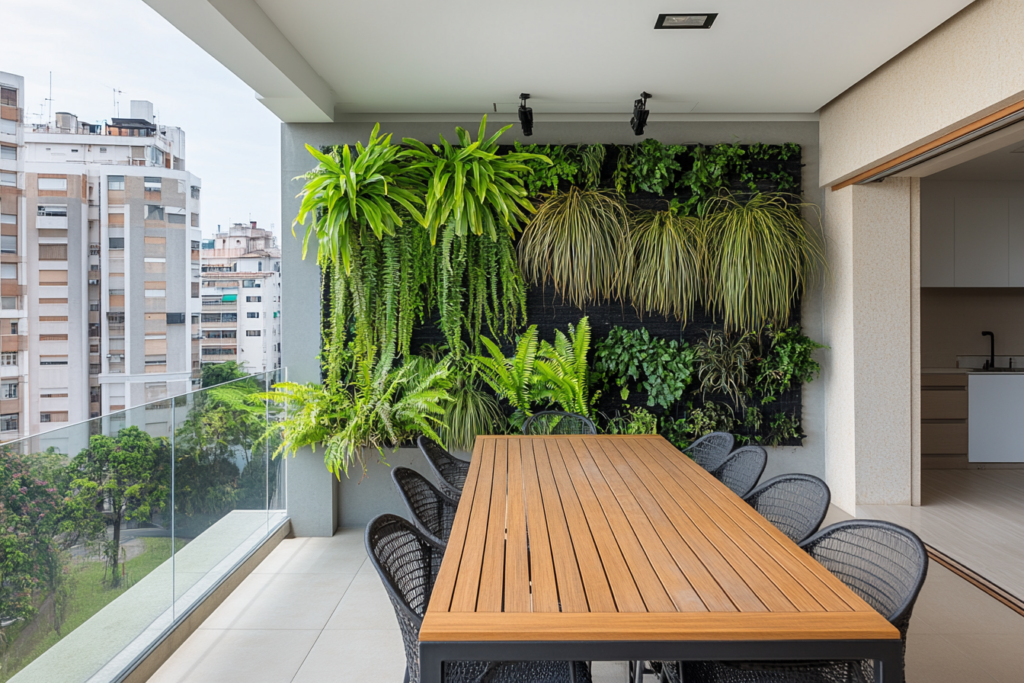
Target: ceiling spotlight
685,20
640,114
526,115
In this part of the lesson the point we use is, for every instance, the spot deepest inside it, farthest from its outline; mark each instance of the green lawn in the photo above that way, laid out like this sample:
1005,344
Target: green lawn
90,595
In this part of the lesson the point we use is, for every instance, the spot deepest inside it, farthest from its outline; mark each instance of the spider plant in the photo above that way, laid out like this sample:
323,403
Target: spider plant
723,362
341,194
761,257
579,239
667,273
471,186
471,411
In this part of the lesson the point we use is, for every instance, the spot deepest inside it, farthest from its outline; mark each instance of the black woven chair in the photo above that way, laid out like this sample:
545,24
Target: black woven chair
883,563
450,471
557,422
711,450
430,510
795,503
742,469
407,562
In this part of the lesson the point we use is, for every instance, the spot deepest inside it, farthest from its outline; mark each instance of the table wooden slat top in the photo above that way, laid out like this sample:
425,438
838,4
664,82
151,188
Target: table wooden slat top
624,538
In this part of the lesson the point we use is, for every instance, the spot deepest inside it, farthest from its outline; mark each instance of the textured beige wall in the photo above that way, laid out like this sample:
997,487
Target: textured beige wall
868,323
966,68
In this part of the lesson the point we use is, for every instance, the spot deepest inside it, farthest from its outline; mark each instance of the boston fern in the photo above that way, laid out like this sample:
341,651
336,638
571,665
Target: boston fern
660,367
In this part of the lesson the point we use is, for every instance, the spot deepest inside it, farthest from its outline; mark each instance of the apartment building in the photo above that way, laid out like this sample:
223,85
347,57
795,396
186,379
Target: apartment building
103,262
241,298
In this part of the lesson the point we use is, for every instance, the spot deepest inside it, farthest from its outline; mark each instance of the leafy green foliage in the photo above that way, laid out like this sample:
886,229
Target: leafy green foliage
787,362
342,194
760,257
662,368
637,420
562,372
511,378
580,241
724,366
218,373
710,174
578,165
782,427
649,166
471,187
377,406
130,473
700,421
668,259
470,412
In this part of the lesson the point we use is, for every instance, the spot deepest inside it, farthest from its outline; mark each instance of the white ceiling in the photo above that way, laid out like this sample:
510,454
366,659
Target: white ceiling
573,56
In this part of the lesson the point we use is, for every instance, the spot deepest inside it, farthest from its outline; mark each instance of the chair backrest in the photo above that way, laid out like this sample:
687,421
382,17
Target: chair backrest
742,469
430,510
450,471
881,562
795,503
711,450
557,422
407,562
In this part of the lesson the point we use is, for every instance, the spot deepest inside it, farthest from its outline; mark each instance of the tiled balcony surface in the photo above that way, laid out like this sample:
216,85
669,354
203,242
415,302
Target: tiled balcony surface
315,611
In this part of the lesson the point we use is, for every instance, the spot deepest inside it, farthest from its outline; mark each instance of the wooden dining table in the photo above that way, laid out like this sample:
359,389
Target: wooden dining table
621,548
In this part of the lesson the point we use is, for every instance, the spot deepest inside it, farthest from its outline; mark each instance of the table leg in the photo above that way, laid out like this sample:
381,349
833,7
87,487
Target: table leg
889,669
431,663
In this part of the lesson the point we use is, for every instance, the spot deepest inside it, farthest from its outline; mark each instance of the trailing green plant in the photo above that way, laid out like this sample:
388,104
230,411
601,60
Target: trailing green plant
578,165
637,420
562,373
753,422
471,187
700,421
472,411
580,240
723,366
667,276
649,166
343,194
761,255
660,367
788,362
511,378
377,405
783,427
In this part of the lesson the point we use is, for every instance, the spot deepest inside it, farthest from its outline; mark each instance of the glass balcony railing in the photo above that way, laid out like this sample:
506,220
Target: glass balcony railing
114,529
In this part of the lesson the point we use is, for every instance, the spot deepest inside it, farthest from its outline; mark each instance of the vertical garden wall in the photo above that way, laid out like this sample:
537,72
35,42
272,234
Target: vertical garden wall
544,307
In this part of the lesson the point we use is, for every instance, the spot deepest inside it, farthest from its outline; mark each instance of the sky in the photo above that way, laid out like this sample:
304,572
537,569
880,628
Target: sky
94,48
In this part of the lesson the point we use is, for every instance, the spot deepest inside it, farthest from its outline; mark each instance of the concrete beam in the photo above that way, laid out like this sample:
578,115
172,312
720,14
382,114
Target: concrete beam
239,35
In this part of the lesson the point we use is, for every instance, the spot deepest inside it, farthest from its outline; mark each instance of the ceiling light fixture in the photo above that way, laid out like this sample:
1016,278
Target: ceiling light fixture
525,115
640,114
685,20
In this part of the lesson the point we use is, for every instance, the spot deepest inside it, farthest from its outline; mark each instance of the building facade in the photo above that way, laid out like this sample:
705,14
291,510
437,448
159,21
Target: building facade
107,267
241,298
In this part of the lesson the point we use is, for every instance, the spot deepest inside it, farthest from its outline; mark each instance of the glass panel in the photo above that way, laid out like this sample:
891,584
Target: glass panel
130,563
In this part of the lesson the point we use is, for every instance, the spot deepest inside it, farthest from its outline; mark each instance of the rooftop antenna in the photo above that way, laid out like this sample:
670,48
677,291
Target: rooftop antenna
117,104
49,101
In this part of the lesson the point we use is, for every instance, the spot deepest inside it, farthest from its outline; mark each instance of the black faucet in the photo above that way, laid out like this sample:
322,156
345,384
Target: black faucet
992,349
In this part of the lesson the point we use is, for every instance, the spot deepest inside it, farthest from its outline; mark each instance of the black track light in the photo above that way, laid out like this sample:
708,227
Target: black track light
526,115
640,114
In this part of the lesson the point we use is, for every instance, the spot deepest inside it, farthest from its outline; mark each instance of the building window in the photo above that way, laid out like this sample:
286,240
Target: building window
156,156
8,152
9,390
195,192
53,252
152,184
254,333
195,223
103,150
156,360
252,314
8,219
9,303
8,126
250,284
215,351
116,242
115,182
9,96
53,360
254,299
53,185
116,292
9,422
176,218
10,179
51,210
155,293
175,318
195,290
8,358
154,212
14,326
53,417
9,271
8,244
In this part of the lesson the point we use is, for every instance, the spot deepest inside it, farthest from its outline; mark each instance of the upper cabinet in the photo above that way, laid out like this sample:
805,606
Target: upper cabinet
972,234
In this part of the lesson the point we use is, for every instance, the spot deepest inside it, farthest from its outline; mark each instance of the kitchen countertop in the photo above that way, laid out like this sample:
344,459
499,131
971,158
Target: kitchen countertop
972,371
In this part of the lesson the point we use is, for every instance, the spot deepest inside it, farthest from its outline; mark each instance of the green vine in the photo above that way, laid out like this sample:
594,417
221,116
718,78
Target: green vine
787,362
578,165
662,368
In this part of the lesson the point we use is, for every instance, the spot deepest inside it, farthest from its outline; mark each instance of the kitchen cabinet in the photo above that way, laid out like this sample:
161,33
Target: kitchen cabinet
994,413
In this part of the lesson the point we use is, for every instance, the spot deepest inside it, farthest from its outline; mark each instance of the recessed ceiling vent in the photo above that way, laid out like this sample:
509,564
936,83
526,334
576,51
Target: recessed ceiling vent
685,20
